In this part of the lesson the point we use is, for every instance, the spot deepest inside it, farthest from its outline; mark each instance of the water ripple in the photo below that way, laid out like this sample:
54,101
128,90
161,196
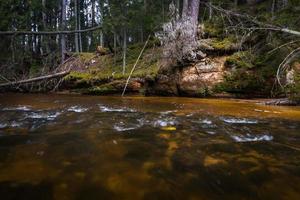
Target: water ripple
110,109
231,120
251,138
77,109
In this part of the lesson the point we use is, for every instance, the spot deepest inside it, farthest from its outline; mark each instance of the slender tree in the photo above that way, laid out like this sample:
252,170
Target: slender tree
63,27
76,25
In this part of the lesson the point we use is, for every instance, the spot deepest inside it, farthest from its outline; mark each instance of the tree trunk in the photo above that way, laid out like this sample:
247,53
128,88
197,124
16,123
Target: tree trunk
101,38
92,42
101,9
115,47
76,25
180,35
44,41
63,26
189,25
79,28
191,14
124,49
209,11
273,8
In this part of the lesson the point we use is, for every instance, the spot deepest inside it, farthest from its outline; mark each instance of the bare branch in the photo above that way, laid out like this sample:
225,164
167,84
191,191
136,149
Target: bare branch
253,20
283,66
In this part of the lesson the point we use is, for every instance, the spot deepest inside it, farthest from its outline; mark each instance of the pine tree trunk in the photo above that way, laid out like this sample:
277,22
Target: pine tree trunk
115,47
101,7
63,26
76,25
93,24
189,23
180,35
124,49
43,40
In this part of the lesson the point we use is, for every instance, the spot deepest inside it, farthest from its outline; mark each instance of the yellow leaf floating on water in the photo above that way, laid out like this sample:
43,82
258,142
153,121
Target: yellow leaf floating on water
169,128
80,174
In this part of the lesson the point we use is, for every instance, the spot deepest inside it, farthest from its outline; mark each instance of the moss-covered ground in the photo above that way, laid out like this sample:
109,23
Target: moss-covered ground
98,74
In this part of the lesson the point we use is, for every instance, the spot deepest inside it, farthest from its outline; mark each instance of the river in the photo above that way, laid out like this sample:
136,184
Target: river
85,147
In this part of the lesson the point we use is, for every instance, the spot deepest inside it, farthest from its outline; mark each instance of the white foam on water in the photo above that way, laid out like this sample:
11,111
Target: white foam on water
48,116
206,121
211,132
121,126
3,125
168,112
121,129
77,109
165,122
15,124
239,120
12,124
109,109
18,108
252,138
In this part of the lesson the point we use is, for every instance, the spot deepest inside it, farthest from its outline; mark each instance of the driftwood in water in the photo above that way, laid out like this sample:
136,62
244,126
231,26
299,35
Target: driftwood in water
32,80
282,102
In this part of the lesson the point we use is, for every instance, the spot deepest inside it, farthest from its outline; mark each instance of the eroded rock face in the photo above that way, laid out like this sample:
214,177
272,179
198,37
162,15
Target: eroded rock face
198,79
193,80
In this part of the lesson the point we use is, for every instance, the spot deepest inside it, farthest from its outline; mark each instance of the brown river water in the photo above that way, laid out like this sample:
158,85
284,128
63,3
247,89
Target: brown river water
85,148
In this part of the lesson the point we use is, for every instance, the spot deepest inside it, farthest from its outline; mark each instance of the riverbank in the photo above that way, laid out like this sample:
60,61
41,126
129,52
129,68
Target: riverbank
96,75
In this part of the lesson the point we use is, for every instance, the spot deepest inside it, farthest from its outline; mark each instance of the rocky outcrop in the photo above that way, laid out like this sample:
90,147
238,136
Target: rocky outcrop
197,79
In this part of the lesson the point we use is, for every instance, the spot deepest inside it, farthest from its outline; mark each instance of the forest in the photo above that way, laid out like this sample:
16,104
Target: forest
99,41
256,41
149,99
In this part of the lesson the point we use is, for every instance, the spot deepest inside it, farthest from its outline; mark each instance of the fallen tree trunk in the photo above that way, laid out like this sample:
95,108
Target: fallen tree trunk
41,78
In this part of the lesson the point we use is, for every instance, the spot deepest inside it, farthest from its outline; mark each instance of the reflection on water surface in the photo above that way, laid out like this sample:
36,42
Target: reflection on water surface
78,147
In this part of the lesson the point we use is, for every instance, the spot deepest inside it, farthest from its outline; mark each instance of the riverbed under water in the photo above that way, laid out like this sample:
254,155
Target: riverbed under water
83,147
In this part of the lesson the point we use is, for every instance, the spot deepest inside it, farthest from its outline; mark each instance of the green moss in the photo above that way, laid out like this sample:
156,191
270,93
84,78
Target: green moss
243,82
34,70
226,44
213,28
104,75
204,92
110,66
86,57
242,59
79,76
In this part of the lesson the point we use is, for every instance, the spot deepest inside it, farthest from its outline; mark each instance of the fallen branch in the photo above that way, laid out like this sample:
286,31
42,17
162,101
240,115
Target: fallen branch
41,78
49,32
133,68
